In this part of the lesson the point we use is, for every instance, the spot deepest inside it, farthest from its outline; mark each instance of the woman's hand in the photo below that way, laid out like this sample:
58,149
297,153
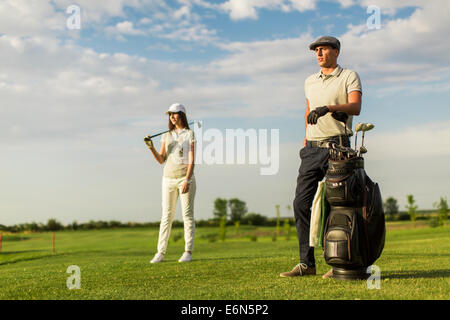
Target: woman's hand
185,187
148,142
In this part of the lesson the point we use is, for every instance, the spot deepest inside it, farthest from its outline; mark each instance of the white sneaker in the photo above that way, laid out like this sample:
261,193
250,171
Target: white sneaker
159,257
186,257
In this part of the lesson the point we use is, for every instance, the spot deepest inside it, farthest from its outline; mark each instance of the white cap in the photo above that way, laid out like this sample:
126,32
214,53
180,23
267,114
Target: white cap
176,107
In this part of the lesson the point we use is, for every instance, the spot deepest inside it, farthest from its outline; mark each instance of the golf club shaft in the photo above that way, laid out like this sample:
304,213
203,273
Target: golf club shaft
158,134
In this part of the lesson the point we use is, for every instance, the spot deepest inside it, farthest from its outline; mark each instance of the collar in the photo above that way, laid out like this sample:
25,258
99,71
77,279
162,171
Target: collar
180,132
336,72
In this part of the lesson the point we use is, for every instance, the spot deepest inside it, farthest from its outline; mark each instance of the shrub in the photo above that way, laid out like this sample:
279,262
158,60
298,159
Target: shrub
274,236
287,229
223,228
434,222
211,237
177,236
255,219
442,207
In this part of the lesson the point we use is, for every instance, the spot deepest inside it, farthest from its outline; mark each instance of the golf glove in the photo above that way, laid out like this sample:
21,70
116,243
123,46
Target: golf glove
314,115
148,142
340,116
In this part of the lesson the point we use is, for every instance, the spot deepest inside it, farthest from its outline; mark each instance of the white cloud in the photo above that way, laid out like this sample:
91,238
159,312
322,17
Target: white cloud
123,28
248,9
239,9
29,17
127,27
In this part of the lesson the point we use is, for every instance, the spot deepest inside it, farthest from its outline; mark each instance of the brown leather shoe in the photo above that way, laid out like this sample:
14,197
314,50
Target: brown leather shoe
299,270
329,274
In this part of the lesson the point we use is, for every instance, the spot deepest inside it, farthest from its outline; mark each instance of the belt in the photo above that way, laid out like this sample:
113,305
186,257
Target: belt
323,143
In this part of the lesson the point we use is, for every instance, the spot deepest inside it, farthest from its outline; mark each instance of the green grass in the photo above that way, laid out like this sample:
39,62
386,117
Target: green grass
115,265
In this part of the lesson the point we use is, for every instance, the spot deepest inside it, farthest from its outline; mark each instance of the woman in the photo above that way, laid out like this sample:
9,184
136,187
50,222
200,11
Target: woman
177,151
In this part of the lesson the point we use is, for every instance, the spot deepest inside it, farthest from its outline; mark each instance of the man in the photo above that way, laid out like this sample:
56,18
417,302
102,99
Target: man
330,90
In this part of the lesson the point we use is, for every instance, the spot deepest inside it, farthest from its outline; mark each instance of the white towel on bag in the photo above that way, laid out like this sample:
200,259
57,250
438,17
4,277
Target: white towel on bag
316,212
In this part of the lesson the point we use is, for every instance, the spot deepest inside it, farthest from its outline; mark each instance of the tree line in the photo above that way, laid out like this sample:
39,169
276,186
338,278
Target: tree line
233,210
393,213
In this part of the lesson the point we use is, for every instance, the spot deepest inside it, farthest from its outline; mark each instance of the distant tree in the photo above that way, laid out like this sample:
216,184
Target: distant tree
442,212
412,208
114,224
223,228
34,227
277,228
287,229
74,225
288,208
220,208
236,226
391,207
238,209
255,219
53,225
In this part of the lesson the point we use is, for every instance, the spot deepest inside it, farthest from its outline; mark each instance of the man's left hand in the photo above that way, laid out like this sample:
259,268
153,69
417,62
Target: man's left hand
314,115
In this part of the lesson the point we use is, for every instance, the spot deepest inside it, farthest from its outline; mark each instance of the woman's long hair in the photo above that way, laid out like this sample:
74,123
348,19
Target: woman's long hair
184,121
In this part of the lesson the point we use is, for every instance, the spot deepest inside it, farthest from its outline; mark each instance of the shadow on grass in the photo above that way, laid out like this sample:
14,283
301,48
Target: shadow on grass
416,274
18,252
31,258
211,259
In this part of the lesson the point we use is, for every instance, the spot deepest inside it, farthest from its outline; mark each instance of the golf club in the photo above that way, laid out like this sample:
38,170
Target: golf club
362,150
341,117
199,124
366,127
358,128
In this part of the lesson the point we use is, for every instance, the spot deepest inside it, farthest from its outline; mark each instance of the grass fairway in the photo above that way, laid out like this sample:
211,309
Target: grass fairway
114,264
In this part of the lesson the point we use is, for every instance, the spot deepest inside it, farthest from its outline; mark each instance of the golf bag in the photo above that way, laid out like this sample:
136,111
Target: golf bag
354,232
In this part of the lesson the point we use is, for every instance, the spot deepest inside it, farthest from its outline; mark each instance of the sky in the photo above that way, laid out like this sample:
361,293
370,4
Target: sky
80,89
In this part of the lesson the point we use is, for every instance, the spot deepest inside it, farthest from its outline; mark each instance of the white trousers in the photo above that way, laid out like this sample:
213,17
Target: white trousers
171,190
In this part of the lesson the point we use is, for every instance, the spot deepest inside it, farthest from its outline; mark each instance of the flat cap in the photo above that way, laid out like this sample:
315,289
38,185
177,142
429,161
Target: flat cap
326,41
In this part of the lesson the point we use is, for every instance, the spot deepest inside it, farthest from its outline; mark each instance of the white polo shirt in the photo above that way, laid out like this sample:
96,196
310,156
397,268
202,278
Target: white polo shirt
321,90
177,152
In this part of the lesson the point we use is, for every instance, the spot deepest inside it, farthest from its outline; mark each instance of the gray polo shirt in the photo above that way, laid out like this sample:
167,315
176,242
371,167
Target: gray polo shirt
321,90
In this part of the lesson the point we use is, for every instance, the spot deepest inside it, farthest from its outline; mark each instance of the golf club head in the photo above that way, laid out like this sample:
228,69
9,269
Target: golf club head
362,150
367,127
359,127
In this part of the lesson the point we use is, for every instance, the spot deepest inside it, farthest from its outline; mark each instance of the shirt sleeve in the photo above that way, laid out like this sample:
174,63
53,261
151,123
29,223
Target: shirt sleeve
164,138
353,83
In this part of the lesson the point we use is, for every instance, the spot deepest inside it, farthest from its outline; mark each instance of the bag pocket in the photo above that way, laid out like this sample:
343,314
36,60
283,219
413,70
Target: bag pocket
337,242
337,247
341,191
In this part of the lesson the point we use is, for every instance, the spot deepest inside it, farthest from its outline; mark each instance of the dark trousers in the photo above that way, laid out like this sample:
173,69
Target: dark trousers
313,167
